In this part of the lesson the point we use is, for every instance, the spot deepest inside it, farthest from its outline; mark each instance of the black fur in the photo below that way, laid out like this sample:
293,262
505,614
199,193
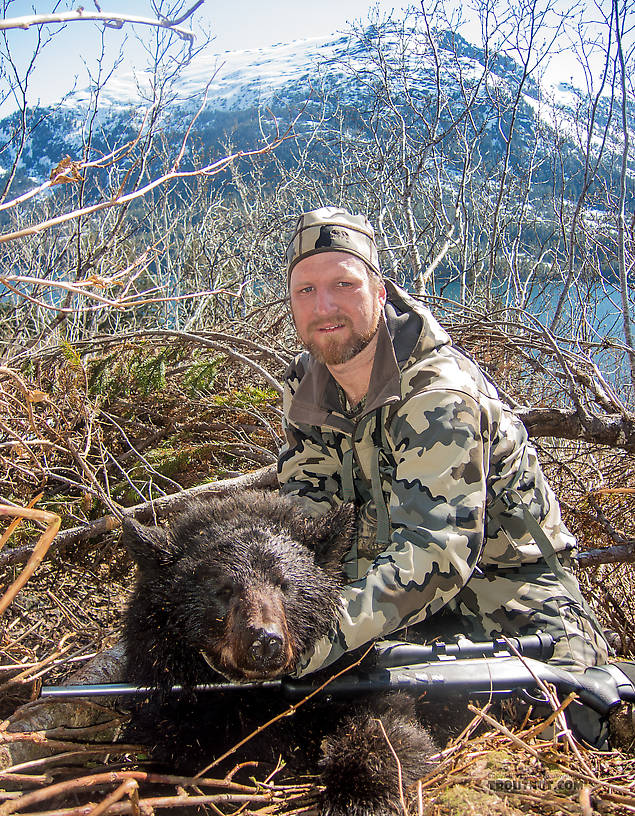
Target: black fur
360,772
252,582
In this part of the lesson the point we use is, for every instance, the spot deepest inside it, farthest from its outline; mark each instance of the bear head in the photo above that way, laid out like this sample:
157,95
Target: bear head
245,583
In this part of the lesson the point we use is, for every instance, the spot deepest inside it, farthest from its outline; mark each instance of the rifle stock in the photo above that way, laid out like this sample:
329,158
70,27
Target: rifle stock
480,677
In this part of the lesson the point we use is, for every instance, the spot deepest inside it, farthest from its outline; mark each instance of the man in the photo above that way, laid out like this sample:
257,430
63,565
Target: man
457,525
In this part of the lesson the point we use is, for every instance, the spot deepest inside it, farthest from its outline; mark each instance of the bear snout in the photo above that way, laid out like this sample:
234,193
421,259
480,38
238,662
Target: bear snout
257,642
266,647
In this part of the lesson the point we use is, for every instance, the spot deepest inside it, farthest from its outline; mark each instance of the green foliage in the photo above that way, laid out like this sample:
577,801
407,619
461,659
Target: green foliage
175,461
169,461
149,374
247,397
199,379
142,370
28,367
101,377
70,355
460,799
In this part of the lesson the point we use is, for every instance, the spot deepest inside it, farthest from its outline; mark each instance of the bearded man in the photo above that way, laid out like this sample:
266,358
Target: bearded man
458,530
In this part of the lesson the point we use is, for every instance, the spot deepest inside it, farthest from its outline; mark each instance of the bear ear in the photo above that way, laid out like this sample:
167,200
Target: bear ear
331,536
149,546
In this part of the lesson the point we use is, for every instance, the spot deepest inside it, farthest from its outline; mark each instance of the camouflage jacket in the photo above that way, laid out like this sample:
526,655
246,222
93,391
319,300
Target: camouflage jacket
438,466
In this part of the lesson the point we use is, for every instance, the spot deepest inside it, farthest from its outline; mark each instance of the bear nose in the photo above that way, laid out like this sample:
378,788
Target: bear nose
266,646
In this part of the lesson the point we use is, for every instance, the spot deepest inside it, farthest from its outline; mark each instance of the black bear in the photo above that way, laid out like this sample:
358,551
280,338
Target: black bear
240,586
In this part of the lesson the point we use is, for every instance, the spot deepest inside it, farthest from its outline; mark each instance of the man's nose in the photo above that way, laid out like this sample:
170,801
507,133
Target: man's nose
324,301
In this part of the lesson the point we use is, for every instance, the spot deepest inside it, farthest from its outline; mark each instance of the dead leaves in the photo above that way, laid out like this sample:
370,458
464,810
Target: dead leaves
66,172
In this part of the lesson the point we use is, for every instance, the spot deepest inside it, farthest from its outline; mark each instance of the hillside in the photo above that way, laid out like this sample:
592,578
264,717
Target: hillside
317,79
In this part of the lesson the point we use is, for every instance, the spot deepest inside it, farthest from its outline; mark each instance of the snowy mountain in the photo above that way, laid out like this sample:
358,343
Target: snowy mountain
240,80
236,80
333,73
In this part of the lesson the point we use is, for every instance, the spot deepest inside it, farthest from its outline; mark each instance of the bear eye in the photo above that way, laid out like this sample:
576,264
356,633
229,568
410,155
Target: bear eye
225,593
284,586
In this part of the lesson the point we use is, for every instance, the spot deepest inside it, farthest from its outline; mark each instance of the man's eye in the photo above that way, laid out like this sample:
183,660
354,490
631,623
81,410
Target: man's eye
305,290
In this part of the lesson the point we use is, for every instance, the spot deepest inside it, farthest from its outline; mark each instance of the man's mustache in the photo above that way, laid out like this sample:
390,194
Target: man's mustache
335,320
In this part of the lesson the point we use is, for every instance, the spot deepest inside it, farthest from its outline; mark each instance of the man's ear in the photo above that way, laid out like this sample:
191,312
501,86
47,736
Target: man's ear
381,294
331,536
149,546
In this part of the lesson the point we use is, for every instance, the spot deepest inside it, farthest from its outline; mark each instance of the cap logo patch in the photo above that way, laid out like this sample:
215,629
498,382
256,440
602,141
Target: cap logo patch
332,236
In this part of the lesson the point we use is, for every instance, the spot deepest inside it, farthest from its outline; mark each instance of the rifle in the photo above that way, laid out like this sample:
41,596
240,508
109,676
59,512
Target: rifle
438,671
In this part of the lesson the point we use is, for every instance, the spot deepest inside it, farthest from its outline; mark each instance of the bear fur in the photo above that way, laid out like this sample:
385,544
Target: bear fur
239,587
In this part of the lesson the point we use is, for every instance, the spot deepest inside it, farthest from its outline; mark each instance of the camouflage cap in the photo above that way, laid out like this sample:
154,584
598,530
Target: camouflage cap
332,229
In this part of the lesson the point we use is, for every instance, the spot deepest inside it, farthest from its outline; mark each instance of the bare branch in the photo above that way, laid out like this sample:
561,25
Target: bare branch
108,18
174,174
41,548
614,431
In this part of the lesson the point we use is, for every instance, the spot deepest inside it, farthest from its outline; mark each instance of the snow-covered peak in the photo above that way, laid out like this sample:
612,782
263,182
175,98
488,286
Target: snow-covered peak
252,77
235,79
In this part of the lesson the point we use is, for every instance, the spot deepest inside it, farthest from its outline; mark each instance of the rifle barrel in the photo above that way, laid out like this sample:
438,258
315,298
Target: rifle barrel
129,690
438,671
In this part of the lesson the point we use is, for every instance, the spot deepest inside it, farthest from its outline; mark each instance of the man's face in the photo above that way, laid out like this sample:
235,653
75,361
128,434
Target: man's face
335,305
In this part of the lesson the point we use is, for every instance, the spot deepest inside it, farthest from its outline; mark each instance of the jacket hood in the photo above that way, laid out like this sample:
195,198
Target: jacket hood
411,325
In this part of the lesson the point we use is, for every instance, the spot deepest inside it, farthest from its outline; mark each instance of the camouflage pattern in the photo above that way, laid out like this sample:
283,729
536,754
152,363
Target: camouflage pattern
331,229
443,474
520,601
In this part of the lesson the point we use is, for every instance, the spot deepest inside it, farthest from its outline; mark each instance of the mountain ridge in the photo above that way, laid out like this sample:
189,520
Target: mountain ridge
288,76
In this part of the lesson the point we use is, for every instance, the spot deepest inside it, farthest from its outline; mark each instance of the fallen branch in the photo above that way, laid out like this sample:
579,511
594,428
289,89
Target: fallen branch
617,554
563,423
38,732
157,508
175,502
98,780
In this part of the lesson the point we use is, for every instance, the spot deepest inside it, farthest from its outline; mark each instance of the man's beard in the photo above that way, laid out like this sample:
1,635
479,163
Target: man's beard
336,352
